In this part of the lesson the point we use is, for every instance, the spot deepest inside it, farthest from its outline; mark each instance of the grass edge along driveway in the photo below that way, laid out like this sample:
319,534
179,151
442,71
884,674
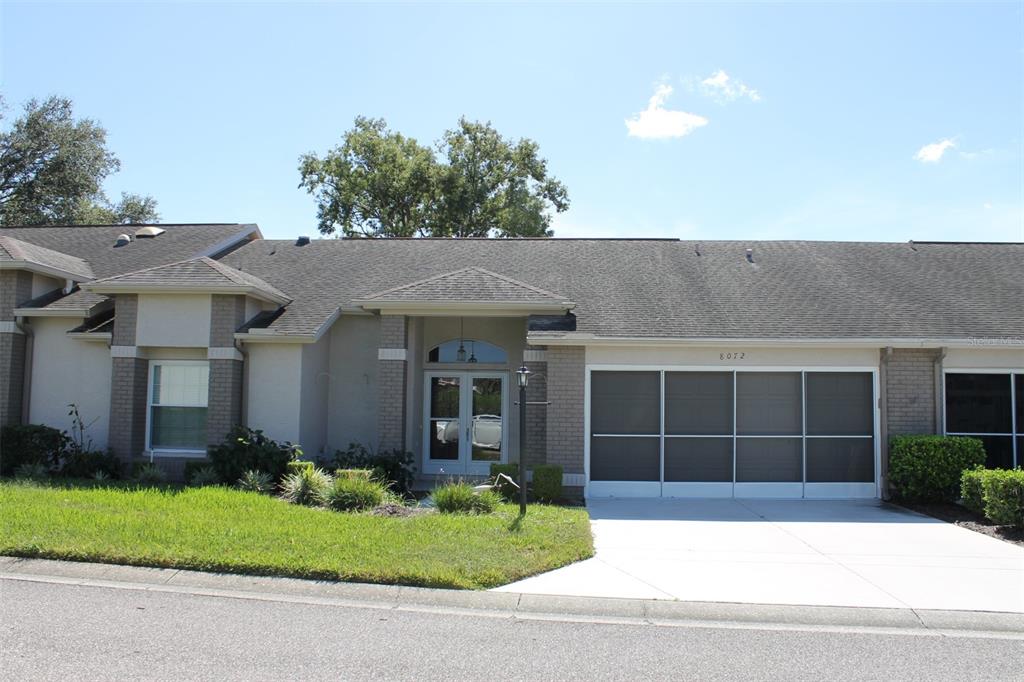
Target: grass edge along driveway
225,530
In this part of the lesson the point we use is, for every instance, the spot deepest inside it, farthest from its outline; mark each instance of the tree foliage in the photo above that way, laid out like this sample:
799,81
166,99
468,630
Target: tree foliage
52,169
471,183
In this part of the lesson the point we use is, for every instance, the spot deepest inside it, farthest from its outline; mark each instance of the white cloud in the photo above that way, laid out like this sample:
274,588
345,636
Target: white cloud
723,88
932,153
987,206
656,122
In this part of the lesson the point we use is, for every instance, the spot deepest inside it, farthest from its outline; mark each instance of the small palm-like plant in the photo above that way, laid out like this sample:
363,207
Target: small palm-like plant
150,474
255,481
307,487
32,471
100,475
205,476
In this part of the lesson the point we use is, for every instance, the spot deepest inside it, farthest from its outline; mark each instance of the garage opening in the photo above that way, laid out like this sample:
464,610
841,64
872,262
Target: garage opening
786,434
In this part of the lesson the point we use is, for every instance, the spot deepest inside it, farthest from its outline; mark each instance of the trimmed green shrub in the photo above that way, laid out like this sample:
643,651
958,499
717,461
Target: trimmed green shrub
547,482
929,468
1004,496
149,474
307,487
971,490
192,467
246,449
86,464
31,444
354,493
365,474
507,491
255,482
396,468
460,498
204,476
297,466
32,471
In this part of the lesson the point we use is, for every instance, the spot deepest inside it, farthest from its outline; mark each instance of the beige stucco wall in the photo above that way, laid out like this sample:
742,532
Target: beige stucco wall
718,356
41,284
352,389
65,370
274,389
173,320
985,358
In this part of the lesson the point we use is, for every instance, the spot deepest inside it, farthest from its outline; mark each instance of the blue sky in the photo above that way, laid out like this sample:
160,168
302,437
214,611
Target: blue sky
795,121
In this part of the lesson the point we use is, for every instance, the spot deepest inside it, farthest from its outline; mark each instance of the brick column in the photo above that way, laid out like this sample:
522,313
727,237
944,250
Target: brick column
128,383
224,402
15,289
391,384
910,391
565,389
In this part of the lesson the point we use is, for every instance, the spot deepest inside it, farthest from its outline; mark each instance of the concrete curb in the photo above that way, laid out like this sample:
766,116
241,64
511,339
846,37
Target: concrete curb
515,605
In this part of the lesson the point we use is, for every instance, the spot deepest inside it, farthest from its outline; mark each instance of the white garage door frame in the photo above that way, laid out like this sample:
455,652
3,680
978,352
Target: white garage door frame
741,489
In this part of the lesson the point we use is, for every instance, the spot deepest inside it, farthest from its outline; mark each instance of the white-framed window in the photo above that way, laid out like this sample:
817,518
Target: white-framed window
176,419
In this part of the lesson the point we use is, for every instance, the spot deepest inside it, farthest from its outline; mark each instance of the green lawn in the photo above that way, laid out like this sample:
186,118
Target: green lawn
219,529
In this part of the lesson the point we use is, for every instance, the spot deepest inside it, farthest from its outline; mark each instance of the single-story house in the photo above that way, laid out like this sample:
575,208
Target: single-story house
659,367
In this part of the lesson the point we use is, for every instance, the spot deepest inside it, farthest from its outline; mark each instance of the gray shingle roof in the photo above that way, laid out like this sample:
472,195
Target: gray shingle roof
12,249
667,288
200,273
472,284
95,244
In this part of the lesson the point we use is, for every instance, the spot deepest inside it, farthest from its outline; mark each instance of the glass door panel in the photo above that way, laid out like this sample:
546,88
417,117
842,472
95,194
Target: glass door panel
445,409
487,405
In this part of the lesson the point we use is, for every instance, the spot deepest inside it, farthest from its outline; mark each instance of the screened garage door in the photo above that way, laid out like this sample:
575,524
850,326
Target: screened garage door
788,434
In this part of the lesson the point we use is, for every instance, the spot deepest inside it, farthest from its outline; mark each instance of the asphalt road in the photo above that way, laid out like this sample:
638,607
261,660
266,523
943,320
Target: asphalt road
70,632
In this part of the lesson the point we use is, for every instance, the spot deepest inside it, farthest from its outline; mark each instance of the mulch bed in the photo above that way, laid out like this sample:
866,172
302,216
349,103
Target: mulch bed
965,518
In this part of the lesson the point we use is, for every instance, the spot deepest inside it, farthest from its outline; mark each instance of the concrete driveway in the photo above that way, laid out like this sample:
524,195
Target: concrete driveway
860,553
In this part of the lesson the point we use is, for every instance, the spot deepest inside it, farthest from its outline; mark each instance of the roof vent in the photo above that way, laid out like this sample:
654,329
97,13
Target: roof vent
750,255
302,240
123,240
149,232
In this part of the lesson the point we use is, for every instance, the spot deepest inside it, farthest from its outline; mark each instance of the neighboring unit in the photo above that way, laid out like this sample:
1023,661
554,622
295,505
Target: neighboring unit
659,367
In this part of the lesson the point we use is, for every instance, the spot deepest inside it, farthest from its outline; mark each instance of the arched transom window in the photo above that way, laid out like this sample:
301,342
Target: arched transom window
467,350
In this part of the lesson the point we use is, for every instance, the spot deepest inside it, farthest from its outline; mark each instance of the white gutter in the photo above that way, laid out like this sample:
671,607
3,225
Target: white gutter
580,339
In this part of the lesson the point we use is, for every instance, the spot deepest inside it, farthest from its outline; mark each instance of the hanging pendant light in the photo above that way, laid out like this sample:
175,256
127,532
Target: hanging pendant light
472,351
460,355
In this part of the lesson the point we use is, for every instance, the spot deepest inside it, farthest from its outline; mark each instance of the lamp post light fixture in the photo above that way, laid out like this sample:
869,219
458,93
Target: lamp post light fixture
523,378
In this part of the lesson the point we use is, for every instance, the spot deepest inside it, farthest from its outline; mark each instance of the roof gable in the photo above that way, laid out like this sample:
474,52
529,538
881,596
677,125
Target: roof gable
198,274
21,254
468,285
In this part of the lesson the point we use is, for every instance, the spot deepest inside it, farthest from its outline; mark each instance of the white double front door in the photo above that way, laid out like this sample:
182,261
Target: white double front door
464,420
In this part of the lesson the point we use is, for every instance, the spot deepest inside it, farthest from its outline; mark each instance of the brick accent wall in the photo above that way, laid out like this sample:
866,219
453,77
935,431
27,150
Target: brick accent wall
391,384
910,391
224,405
565,389
227,314
127,434
536,415
15,289
126,314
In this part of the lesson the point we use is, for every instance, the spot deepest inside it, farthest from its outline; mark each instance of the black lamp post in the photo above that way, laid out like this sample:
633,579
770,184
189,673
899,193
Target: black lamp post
523,377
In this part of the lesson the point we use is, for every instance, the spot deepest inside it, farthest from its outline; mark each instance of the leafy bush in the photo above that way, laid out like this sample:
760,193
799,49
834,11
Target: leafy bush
397,468
547,482
365,474
193,466
245,449
354,493
1004,496
929,468
100,475
460,498
307,487
32,471
507,491
255,481
31,444
204,476
150,474
87,463
297,466
971,490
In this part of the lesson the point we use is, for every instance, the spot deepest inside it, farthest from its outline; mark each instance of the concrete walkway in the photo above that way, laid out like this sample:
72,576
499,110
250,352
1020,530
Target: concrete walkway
863,554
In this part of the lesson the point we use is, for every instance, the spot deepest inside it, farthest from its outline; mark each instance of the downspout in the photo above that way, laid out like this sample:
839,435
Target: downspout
26,383
883,426
940,392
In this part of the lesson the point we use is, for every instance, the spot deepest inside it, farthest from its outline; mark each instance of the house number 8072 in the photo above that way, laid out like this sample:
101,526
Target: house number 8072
732,356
